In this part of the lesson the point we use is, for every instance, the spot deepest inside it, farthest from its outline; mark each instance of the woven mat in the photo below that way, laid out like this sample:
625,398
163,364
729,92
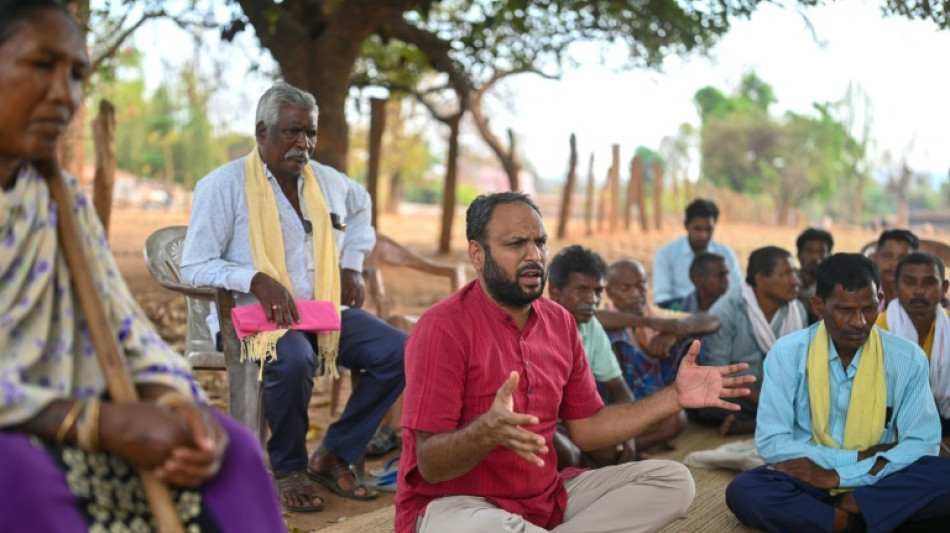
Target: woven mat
708,514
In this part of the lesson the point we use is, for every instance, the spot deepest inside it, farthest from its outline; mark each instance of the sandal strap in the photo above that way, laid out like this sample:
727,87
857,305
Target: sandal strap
296,481
341,469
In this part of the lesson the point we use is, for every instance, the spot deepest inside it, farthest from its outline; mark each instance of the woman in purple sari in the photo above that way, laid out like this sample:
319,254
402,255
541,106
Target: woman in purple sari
67,454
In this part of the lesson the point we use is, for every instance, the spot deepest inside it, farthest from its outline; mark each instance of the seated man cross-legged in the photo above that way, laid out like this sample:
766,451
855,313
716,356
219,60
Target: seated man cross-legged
846,423
577,283
765,308
491,369
916,314
649,343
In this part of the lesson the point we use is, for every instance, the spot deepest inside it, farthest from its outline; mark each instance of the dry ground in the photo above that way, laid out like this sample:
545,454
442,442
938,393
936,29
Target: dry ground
410,292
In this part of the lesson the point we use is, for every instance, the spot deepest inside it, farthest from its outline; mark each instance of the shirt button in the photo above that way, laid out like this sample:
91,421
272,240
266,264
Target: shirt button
527,363
530,390
508,318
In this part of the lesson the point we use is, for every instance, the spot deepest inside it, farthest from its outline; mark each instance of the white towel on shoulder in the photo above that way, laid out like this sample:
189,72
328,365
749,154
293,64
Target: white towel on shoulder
900,324
764,336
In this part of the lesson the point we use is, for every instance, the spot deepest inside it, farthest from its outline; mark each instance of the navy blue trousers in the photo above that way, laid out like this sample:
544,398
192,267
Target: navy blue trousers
367,344
771,500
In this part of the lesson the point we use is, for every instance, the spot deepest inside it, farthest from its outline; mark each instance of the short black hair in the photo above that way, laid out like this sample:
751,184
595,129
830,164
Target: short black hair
572,259
762,261
921,258
814,234
480,210
903,235
702,208
13,11
702,263
851,271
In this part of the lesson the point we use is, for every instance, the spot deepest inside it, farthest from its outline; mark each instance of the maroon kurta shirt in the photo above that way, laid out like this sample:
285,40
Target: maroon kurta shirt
457,357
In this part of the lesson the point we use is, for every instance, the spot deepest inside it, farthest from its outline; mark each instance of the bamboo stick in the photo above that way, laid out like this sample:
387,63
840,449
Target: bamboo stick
110,357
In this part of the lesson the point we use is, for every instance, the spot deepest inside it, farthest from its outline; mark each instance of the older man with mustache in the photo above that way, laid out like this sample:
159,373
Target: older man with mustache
577,277
270,226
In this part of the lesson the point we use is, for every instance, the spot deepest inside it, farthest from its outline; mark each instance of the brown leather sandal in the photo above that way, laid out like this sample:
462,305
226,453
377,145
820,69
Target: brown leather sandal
330,479
297,483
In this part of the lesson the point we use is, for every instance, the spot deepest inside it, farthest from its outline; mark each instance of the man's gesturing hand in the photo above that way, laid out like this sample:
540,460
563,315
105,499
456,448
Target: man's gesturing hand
706,386
504,425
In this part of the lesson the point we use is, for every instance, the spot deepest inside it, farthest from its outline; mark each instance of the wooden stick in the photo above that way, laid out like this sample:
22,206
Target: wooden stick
111,358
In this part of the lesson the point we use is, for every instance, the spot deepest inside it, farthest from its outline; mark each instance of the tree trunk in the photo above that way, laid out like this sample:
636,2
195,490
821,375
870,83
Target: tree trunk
377,124
657,195
103,138
677,201
512,168
395,194
903,193
448,196
568,190
613,188
858,199
589,198
72,148
631,195
640,192
316,48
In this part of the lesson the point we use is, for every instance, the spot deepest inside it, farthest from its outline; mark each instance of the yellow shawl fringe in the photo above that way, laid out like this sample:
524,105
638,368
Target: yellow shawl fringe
267,252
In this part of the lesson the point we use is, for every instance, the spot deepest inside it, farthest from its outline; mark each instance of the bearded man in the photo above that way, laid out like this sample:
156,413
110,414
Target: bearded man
489,372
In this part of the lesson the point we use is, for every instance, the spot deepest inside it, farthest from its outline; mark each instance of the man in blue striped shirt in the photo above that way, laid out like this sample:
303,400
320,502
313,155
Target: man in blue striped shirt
816,477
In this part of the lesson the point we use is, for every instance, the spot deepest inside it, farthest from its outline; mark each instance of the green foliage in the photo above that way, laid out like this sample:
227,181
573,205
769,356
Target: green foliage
798,160
167,135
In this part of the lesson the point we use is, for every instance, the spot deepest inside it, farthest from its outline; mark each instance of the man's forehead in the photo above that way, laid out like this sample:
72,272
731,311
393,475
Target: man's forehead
841,294
815,243
920,270
501,226
291,114
583,278
896,244
626,271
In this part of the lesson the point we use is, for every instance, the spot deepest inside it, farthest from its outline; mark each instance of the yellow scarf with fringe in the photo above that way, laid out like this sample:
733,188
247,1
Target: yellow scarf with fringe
868,406
267,252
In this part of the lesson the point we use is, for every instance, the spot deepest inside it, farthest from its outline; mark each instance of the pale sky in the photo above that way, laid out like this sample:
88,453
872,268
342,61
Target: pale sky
901,65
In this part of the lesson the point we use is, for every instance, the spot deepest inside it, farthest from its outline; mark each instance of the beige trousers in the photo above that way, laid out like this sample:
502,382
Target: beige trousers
642,496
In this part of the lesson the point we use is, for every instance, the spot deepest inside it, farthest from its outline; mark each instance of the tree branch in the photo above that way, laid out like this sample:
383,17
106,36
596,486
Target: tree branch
119,39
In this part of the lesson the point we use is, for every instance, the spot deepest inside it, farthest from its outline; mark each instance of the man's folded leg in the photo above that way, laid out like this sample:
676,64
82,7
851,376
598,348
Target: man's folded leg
641,496
471,514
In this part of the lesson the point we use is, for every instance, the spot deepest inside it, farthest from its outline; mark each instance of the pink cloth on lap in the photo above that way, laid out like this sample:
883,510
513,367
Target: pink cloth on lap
315,316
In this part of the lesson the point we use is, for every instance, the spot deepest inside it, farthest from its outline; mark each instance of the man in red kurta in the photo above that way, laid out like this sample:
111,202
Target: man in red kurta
491,369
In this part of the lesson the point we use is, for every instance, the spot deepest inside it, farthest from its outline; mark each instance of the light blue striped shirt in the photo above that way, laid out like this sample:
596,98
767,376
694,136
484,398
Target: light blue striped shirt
671,269
784,431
